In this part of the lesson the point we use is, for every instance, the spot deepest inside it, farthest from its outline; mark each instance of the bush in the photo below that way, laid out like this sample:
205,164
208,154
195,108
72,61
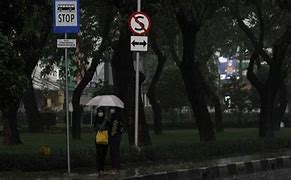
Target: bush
204,151
86,117
49,119
84,156
39,161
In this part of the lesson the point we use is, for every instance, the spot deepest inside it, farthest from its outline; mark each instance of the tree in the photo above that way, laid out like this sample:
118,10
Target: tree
12,81
26,26
171,90
92,44
239,98
33,40
190,16
265,17
105,24
124,76
124,87
152,87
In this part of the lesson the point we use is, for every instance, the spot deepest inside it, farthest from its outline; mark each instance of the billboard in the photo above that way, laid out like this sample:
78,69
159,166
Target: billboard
227,68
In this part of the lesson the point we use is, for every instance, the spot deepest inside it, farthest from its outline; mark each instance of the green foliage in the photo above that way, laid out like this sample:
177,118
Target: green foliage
88,42
170,89
24,26
49,119
239,95
104,90
12,78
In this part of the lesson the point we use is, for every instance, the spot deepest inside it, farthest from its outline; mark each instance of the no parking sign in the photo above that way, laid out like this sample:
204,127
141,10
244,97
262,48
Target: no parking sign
139,23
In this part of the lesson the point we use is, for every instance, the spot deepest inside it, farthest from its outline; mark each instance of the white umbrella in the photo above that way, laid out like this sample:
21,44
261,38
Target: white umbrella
106,100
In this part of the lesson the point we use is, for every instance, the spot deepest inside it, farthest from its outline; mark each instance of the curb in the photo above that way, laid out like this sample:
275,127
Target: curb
219,171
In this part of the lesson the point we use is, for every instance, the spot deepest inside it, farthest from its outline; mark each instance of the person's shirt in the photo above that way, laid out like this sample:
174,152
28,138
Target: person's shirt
116,124
98,123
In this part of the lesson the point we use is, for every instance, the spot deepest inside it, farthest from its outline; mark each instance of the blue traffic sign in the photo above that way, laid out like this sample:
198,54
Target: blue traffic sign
66,16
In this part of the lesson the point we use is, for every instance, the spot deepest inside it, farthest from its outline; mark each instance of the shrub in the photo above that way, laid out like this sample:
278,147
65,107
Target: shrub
49,119
86,117
48,158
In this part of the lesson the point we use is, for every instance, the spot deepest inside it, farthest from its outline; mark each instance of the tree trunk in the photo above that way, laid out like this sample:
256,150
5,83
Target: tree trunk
280,107
144,136
217,106
218,114
10,131
35,123
265,121
77,108
124,87
151,91
77,116
156,112
193,79
31,52
197,98
277,67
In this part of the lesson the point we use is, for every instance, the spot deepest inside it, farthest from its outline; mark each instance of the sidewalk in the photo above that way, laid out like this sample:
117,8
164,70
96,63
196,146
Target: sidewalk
223,167
218,168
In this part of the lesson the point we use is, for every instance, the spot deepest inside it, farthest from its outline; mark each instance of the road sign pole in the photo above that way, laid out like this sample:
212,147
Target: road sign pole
136,98
137,87
66,19
67,108
138,5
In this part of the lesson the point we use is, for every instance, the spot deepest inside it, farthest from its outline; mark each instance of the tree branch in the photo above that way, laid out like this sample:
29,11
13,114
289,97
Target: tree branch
261,22
96,58
174,54
257,44
281,46
161,61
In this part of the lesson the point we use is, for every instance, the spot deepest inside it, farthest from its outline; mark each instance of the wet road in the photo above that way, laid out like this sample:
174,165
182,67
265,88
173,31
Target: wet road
282,174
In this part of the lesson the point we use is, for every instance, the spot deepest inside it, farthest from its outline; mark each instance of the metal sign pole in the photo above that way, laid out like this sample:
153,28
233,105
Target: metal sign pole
136,98
67,108
137,87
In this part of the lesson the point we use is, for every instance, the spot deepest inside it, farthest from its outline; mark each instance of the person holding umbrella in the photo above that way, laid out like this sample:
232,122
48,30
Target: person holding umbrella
114,124
115,131
100,124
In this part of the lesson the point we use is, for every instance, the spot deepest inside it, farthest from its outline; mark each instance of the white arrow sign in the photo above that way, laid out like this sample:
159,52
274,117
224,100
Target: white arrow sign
139,43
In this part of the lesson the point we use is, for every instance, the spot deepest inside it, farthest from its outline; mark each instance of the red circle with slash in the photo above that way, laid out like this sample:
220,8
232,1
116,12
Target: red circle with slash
139,23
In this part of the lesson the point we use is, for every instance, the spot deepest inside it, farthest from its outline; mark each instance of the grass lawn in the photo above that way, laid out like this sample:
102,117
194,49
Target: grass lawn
33,142
174,145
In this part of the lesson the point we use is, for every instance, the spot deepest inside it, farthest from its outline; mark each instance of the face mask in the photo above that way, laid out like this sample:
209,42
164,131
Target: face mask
100,114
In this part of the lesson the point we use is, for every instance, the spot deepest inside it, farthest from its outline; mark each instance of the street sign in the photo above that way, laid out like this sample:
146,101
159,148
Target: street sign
139,23
139,43
66,43
66,16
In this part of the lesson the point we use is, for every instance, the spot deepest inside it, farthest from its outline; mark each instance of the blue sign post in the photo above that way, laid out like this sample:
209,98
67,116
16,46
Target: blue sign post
66,19
66,16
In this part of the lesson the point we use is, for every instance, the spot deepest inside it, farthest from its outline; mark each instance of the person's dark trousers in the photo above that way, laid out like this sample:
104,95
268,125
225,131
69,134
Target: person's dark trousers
101,150
114,143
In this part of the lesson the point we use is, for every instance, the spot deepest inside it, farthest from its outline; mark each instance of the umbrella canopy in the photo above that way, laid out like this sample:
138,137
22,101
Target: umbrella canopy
106,100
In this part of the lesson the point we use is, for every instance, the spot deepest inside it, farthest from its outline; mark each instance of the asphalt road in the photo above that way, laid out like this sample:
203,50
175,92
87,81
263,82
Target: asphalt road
282,174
